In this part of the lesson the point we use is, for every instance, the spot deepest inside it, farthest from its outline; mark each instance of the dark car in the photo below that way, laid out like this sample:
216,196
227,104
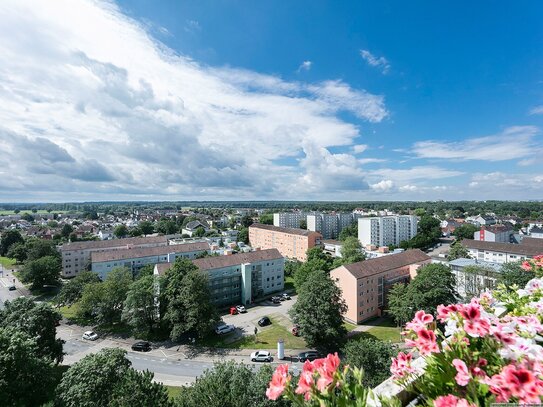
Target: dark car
142,346
275,300
12,288
264,321
310,355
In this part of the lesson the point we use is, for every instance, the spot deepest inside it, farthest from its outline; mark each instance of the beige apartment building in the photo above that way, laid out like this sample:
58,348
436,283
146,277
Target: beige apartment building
291,243
365,284
76,256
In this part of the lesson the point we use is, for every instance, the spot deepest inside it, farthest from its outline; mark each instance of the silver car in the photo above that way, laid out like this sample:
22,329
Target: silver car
261,356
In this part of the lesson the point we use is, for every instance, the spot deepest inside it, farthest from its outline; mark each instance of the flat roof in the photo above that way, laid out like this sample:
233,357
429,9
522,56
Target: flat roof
379,265
147,251
104,244
291,231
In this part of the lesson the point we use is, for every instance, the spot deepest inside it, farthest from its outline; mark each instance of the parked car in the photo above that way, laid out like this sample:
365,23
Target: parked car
264,321
285,296
224,329
241,309
261,356
142,346
295,330
12,288
275,300
310,355
90,336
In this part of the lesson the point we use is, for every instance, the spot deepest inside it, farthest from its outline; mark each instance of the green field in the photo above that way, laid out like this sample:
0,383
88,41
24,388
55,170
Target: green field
7,262
289,284
384,330
173,391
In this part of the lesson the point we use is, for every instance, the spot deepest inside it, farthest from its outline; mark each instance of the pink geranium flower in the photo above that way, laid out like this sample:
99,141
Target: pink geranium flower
444,312
462,374
452,401
426,342
278,382
420,321
401,365
518,382
327,370
305,384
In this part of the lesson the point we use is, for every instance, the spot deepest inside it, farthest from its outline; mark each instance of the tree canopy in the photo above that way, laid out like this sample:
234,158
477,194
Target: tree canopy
8,238
513,274
140,310
41,272
318,312
465,231
457,251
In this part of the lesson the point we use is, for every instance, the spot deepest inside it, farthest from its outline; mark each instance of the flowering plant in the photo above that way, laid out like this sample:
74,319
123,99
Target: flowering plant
321,383
487,353
535,265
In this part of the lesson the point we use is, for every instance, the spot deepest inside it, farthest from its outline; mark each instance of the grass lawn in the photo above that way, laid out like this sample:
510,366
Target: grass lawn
116,329
348,326
173,391
384,330
267,338
7,262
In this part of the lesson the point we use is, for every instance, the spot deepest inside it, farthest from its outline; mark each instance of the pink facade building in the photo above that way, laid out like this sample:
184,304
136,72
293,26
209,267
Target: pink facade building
365,284
291,243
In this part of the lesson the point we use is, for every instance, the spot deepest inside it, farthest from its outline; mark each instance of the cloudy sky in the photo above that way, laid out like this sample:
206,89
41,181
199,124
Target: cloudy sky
232,100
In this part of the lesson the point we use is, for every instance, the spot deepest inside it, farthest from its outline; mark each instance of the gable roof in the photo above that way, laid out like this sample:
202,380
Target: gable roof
379,265
104,244
533,241
521,249
124,254
291,231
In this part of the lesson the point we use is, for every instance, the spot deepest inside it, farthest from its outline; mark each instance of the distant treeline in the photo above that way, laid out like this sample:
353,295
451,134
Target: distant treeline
523,209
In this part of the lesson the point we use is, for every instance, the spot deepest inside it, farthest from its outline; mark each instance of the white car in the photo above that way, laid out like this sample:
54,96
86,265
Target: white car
224,329
241,309
90,335
261,356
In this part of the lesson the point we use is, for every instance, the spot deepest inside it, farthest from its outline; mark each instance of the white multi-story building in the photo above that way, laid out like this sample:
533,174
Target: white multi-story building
288,219
495,252
386,230
494,233
330,225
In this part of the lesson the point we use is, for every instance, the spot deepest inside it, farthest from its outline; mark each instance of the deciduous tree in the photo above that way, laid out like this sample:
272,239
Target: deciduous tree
41,272
72,290
457,251
318,312
120,231
513,274
140,309
9,237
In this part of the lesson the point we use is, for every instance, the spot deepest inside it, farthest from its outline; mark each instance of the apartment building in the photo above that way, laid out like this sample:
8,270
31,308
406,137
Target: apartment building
365,285
289,219
240,278
386,230
330,225
291,243
76,256
495,252
135,258
494,233
469,285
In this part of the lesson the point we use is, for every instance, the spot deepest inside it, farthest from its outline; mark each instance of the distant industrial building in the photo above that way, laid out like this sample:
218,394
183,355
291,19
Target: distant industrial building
365,285
386,230
240,278
134,259
76,256
291,243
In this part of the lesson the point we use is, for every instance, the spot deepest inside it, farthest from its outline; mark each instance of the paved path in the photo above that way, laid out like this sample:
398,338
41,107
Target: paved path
7,279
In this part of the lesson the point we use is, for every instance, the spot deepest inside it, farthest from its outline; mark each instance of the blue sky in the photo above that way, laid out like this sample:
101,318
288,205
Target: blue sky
271,100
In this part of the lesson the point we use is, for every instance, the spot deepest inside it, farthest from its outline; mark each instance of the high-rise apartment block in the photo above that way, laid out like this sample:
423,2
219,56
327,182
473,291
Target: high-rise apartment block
386,230
288,219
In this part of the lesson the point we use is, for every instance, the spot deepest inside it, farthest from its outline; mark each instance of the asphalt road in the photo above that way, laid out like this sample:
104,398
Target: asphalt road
6,280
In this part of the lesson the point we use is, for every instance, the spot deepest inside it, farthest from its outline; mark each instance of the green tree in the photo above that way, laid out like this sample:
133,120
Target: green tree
420,212
38,248
9,237
316,260
41,272
66,230
199,232
513,274
457,251
104,301
120,231
17,251
351,251
349,231
28,217
465,231
243,235
434,285
38,321
72,290
246,221
135,232
105,379
230,384
291,267
186,297
303,224
428,234
318,312
373,356
146,227
166,227
25,377
140,310
266,219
